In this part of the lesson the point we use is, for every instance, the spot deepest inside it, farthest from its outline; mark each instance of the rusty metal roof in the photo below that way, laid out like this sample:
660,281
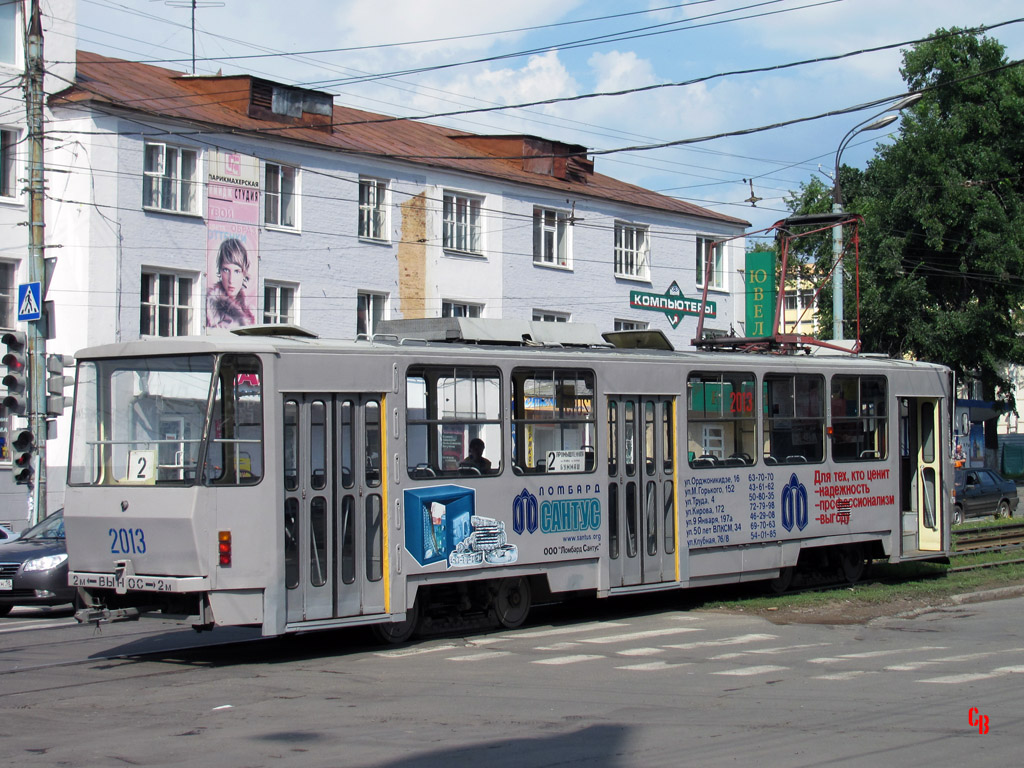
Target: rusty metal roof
242,104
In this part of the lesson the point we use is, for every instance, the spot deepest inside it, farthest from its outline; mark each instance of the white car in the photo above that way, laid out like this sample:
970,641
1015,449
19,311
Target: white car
6,534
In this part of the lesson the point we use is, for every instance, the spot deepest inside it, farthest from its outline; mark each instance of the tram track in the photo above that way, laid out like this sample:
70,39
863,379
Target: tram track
989,538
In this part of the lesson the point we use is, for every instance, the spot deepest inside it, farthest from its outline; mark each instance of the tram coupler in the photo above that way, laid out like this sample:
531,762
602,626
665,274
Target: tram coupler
98,614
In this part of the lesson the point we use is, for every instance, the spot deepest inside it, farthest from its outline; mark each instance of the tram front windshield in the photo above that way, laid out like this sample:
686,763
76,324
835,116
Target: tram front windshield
143,421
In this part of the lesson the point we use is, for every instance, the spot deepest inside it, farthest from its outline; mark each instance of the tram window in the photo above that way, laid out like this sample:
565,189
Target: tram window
374,539
613,521
318,446
141,420
667,451
670,518
631,520
449,411
553,421
234,455
318,541
291,445
651,517
613,438
348,539
291,542
860,425
721,419
649,439
629,425
794,418
371,416
346,443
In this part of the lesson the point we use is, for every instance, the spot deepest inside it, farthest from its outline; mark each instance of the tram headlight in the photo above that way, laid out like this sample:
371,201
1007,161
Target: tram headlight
224,548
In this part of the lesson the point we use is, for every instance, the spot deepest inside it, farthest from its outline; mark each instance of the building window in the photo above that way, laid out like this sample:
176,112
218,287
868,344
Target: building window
280,189
630,325
711,257
278,303
371,309
373,211
550,237
460,309
631,251
462,226
10,32
543,316
8,163
171,179
8,294
166,308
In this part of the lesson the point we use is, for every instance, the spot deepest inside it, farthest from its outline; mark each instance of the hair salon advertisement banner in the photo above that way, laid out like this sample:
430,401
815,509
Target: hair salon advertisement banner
232,239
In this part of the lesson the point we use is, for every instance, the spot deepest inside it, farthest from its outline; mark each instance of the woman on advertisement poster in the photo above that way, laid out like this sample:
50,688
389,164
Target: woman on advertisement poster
227,305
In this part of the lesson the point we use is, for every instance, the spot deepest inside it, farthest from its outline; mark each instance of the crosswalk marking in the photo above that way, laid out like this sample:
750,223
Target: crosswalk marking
848,675
417,651
738,640
766,651
480,656
654,666
558,660
640,651
630,636
555,631
556,647
764,669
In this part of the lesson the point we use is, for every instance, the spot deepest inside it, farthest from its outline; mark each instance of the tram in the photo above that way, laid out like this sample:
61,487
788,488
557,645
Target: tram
273,479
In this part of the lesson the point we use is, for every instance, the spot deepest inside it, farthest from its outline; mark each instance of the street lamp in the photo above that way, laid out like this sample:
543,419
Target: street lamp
873,123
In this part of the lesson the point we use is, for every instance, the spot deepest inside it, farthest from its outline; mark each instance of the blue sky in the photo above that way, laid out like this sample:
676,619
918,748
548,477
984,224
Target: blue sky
298,42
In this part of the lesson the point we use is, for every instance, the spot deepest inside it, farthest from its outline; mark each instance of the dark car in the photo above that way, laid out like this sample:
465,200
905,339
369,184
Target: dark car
981,492
34,568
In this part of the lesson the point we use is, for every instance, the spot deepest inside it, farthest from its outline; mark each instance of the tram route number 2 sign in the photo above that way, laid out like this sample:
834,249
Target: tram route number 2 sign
565,461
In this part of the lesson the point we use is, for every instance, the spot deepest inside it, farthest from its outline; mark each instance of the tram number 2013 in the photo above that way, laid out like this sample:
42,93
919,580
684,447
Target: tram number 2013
127,541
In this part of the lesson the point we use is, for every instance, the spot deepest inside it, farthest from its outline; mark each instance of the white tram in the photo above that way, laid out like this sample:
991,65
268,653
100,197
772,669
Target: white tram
273,479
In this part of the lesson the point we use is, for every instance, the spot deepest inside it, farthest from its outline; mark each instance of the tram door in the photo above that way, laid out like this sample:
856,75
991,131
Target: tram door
333,506
920,474
641,526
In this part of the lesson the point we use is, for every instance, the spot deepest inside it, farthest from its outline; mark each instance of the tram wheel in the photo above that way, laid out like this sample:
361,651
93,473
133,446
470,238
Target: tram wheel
782,582
394,632
851,563
511,604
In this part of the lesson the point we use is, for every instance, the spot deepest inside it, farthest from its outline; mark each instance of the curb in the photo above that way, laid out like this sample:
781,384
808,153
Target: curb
1000,593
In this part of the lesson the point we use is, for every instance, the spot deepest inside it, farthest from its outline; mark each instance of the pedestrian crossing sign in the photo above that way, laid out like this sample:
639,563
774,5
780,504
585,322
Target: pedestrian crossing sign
30,304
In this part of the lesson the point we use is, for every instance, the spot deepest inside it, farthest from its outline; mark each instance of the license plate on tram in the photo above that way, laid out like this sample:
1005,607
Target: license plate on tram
7,584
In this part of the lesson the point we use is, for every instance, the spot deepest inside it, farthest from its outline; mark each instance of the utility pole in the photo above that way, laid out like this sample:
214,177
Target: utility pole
34,100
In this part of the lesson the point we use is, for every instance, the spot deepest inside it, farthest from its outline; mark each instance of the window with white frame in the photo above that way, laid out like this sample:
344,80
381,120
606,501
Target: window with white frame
278,303
167,302
631,251
371,308
10,32
544,316
630,325
550,237
710,256
373,210
8,294
280,196
8,163
460,309
171,179
462,229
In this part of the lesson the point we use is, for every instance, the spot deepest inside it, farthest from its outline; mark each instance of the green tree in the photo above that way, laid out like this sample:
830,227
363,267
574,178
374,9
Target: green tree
942,249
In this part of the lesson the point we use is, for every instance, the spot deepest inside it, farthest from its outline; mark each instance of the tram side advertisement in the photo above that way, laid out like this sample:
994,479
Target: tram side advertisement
553,521
727,508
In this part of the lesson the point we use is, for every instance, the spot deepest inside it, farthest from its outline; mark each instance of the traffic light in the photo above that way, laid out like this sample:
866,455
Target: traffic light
16,360
22,448
56,400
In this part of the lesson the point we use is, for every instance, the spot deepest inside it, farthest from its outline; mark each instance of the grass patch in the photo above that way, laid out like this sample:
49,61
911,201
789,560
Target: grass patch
918,582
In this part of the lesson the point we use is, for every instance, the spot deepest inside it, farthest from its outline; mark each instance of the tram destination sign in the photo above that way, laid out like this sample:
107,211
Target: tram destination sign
672,302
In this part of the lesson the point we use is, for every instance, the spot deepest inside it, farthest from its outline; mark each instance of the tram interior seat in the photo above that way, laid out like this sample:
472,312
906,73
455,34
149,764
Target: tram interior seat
706,460
739,459
869,455
770,460
796,459
422,471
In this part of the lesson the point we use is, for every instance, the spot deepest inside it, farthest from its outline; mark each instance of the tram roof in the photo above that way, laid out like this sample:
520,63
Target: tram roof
482,336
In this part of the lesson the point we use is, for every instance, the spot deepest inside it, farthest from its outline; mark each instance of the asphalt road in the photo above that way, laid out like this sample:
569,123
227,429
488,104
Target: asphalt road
602,684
